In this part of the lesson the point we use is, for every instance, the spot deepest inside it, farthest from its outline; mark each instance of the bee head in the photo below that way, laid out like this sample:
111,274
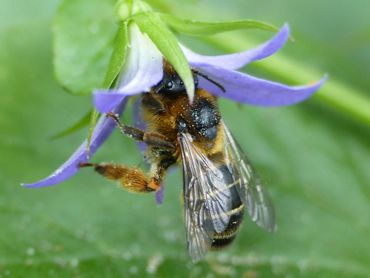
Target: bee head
172,84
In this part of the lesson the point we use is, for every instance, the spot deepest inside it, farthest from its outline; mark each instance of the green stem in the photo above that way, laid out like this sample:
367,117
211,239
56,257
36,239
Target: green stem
93,120
334,93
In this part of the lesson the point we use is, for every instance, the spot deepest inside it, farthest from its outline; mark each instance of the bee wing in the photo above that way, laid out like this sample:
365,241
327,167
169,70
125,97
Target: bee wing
206,198
250,188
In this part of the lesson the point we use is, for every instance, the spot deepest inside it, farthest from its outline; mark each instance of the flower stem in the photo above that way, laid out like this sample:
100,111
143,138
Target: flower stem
339,96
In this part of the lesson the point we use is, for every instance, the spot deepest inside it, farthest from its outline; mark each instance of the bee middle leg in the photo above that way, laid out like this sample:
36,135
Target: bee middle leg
132,179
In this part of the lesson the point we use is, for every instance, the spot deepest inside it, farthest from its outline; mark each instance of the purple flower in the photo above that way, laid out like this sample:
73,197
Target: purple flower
143,70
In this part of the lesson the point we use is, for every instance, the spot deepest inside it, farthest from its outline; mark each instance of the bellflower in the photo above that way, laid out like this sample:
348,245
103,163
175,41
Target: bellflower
143,69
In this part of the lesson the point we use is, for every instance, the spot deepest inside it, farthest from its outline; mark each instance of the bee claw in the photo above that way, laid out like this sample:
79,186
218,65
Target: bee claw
113,116
86,164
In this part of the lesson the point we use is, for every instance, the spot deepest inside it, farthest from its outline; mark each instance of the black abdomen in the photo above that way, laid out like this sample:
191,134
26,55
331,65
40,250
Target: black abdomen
236,212
226,237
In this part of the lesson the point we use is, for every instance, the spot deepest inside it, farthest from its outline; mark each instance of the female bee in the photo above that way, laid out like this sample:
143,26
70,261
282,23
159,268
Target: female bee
219,182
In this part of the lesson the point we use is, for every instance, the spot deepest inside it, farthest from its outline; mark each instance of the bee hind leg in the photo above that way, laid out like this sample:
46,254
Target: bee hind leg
131,179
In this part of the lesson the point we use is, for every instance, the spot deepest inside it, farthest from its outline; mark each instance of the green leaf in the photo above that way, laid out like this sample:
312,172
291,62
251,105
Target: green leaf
84,121
84,32
118,55
151,24
90,49
202,28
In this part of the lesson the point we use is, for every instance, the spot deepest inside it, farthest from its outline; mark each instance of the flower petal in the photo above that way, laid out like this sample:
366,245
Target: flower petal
159,195
101,132
105,101
144,66
238,60
137,113
138,122
143,69
244,88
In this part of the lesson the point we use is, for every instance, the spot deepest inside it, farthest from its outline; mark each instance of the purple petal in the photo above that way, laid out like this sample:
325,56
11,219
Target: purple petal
105,101
102,131
159,195
137,112
138,122
143,67
244,88
238,60
142,70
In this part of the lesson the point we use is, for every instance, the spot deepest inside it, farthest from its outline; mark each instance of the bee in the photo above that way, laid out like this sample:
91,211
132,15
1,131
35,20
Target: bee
219,182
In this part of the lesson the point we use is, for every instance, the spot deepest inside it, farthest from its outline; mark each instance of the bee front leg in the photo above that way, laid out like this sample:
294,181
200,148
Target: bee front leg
150,138
132,179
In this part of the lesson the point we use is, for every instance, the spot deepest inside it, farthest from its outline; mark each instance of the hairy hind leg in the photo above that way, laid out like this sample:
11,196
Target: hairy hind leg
132,179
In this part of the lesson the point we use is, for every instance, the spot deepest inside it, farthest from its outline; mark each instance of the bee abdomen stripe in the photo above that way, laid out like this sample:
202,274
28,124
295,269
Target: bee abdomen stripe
222,241
232,212
235,210
236,217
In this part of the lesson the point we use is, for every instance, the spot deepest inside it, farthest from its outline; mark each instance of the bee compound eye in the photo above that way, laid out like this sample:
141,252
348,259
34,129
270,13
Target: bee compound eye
169,84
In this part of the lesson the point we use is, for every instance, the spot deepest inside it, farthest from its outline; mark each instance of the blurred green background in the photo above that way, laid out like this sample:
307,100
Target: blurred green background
314,157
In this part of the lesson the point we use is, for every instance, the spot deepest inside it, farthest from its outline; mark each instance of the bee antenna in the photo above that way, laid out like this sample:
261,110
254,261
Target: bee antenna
222,88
